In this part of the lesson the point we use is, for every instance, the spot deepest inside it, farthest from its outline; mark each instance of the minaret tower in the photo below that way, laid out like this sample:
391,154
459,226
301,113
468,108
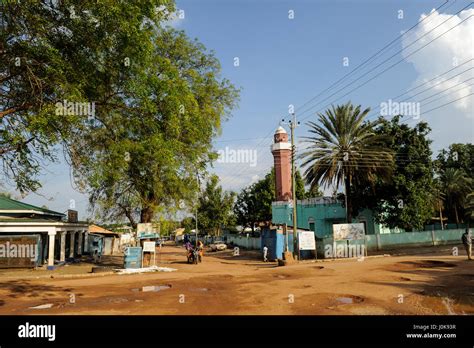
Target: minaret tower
281,150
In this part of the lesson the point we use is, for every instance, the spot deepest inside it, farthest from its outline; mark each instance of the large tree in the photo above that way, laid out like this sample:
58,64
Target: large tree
254,203
142,154
215,207
459,156
455,168
407,200
344,149
51,51
456,185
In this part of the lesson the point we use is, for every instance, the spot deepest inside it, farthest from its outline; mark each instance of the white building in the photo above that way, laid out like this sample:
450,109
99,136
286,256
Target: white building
60,239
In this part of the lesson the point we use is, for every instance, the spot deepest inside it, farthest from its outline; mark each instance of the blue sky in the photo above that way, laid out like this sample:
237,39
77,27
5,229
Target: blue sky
286,61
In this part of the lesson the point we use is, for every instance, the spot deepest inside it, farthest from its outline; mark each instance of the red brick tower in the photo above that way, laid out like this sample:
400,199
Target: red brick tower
281,150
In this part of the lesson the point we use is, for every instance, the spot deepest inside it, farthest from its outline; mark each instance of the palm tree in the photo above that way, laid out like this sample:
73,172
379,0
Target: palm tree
469,208
456,186
343,149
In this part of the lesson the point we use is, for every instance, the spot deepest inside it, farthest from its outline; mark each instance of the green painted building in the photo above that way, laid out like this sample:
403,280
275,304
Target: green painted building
318,215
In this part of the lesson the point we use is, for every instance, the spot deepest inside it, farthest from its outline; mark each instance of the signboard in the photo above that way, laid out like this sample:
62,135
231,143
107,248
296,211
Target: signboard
72,215
348,231
306,240
149,246
148,229
19,251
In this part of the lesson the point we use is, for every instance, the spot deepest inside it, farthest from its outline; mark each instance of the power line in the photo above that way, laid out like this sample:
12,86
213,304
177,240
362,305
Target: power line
373,56
385,70
416,87
443,105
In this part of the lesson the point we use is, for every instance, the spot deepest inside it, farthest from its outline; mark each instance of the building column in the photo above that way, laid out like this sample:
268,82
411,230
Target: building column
52,237
72,246
62,252
79,242
86,241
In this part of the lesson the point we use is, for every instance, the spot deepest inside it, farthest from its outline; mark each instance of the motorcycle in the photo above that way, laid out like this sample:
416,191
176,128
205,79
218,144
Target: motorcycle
193,256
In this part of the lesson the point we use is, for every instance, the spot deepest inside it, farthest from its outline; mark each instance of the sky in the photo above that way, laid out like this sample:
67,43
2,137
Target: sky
283,53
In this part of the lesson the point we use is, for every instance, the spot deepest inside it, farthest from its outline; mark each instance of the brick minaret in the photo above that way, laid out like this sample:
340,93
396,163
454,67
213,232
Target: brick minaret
281,150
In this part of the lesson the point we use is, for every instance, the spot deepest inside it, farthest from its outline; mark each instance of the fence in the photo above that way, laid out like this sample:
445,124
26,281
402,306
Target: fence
245,242
413,239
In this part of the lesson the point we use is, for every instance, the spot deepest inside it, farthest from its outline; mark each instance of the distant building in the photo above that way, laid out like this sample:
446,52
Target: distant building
111,240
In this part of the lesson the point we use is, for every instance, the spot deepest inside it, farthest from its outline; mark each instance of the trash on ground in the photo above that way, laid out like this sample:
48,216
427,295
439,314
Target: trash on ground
43,306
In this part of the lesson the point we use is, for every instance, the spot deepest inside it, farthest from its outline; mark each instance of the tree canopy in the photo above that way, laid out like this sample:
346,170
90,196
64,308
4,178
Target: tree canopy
53,51
344,149
254,203
406,200
155,101
215,207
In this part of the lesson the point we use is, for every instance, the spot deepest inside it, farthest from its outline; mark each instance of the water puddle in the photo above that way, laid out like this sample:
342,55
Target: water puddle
345,300
349,299
153,288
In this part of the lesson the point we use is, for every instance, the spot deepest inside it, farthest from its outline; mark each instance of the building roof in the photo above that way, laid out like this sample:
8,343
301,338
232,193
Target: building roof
100,230
11,206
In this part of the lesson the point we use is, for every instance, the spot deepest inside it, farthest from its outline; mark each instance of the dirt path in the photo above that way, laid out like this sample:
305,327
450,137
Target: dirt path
223,284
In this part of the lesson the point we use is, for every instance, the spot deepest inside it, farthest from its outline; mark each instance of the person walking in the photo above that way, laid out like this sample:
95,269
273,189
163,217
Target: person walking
265,253
467,241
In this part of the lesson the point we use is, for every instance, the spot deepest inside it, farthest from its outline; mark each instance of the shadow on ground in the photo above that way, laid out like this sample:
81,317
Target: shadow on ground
19,288
449,281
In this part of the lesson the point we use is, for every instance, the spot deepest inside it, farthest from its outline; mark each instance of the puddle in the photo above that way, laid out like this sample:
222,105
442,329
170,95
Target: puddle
345,299
349,299
43,306
155,288
152,288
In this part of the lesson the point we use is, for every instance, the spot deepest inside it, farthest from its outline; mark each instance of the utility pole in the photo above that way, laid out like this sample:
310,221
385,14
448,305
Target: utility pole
293,124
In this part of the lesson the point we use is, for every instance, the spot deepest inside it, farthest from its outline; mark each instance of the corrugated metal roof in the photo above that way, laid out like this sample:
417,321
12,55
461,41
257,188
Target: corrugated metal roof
101,230
13,206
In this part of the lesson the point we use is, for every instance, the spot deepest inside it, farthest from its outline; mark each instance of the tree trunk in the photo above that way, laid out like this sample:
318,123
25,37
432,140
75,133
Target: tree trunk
456,214
348,199
146,215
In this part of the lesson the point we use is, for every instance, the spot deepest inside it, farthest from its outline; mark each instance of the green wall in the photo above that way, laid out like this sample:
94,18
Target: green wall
324,216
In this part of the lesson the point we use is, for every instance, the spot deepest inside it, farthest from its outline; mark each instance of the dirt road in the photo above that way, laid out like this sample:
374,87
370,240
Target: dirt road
435,283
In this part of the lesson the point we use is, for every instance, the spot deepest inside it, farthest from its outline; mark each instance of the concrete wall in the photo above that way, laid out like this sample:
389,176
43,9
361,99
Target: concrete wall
413,239
244,242
323,215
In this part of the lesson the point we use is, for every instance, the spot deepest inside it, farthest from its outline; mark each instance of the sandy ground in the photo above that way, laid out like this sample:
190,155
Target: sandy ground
432,282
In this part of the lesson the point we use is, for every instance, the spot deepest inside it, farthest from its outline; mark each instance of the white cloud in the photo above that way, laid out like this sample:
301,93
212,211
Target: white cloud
446,52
